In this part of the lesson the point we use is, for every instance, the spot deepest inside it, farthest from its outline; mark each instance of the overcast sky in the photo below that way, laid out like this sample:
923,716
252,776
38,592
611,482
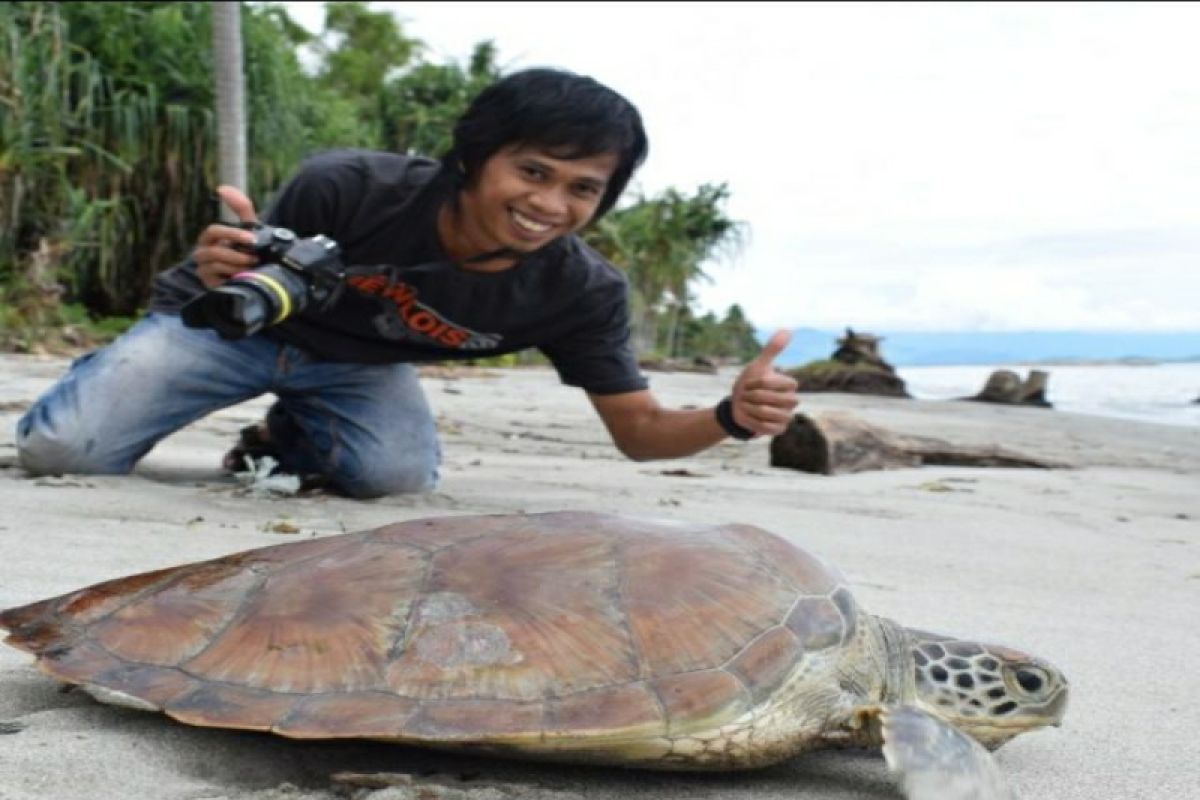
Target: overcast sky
907,166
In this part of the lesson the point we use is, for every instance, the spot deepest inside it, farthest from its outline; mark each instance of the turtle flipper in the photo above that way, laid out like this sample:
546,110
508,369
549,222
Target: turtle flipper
936,761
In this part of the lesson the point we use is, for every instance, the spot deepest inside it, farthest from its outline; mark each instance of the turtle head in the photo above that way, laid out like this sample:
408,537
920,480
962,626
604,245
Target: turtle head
990,692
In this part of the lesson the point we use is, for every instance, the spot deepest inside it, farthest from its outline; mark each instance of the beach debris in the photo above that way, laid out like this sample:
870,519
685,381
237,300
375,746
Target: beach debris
835,442
59,481
281,526
943,485
262,479
683,473
1007,387
726,647
372,780
855,367
9,727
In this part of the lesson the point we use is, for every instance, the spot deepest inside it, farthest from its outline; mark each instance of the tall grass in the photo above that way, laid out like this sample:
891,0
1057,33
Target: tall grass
107,141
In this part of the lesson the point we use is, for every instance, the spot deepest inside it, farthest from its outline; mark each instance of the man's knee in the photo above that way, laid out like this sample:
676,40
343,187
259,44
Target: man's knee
45,449
381,478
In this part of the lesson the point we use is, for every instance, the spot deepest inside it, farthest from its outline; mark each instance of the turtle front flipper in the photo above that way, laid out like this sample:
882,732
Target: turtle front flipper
935,761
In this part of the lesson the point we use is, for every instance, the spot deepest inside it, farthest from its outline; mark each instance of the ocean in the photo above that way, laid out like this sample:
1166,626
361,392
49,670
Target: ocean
1162,393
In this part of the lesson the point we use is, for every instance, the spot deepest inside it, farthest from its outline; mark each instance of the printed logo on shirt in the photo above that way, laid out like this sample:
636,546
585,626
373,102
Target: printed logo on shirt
414,320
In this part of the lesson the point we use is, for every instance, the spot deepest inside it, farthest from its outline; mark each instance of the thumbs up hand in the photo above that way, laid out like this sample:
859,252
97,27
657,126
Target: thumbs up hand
215,255
763,399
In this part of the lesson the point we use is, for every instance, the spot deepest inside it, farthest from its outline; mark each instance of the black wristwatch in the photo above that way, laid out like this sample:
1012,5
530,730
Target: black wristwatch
726,421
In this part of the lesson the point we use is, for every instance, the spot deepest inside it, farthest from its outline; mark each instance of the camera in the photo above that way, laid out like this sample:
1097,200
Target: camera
293,273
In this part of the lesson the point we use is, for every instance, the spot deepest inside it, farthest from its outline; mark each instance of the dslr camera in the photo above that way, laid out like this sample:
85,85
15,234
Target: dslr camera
293,273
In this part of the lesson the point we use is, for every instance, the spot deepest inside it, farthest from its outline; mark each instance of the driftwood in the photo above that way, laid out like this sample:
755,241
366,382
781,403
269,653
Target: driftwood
1006,386
834,443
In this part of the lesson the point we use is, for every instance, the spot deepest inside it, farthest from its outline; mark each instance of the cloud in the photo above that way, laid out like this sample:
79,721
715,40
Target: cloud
1135,280
944,164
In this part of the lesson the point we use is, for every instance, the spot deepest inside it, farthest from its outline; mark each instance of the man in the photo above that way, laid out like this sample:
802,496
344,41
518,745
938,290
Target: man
470,257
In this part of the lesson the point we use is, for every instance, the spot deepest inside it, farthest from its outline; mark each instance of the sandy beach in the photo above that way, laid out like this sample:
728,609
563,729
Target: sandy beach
1096,568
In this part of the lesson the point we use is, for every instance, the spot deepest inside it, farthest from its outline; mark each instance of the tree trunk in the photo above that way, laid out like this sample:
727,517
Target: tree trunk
673,330
835,443
230,97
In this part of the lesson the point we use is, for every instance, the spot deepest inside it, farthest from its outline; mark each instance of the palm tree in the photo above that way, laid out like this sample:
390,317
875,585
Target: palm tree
662,243
230,96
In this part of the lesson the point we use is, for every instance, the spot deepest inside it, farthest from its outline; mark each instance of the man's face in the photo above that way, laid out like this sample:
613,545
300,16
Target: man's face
525,197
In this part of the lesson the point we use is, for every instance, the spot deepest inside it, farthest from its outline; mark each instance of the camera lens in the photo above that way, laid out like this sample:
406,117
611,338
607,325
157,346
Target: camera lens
248,302
233,312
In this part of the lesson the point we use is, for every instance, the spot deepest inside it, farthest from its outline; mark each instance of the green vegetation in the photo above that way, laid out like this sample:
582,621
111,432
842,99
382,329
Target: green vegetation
824,367
107,158
861,377
662,244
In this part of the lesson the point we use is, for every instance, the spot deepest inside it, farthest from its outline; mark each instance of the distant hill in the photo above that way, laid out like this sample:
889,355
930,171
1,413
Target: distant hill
919,348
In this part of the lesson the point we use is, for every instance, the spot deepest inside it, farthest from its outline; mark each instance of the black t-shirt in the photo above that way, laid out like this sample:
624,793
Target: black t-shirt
414,304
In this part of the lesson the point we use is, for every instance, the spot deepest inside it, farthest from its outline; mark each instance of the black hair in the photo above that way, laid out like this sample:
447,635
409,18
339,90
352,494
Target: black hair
568,115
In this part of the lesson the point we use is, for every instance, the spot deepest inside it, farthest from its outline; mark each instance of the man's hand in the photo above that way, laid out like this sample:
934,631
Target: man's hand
215,256
763,399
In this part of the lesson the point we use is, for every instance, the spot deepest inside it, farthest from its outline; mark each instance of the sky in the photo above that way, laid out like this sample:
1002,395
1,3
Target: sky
902,166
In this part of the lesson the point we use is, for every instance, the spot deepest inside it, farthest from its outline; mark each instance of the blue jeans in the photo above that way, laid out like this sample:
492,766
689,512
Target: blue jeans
366,428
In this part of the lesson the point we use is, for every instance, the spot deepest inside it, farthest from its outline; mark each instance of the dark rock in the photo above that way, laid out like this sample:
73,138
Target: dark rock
1006,387
830,376
855,367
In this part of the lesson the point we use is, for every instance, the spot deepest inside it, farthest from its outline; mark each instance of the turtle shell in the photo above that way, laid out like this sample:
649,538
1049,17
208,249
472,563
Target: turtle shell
510,630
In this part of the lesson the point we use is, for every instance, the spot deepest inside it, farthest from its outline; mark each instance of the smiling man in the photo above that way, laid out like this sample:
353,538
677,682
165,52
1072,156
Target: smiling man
471,256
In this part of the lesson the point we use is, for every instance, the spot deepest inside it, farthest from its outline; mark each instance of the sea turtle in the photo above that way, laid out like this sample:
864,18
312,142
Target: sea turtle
573,636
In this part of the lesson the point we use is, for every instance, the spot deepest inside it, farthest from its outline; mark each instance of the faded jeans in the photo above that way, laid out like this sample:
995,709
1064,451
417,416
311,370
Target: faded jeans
366,428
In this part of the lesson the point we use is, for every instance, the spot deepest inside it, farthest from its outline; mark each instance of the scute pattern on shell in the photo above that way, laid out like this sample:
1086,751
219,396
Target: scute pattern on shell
506,629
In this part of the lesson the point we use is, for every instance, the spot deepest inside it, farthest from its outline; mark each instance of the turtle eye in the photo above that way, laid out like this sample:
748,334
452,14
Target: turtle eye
1031,679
